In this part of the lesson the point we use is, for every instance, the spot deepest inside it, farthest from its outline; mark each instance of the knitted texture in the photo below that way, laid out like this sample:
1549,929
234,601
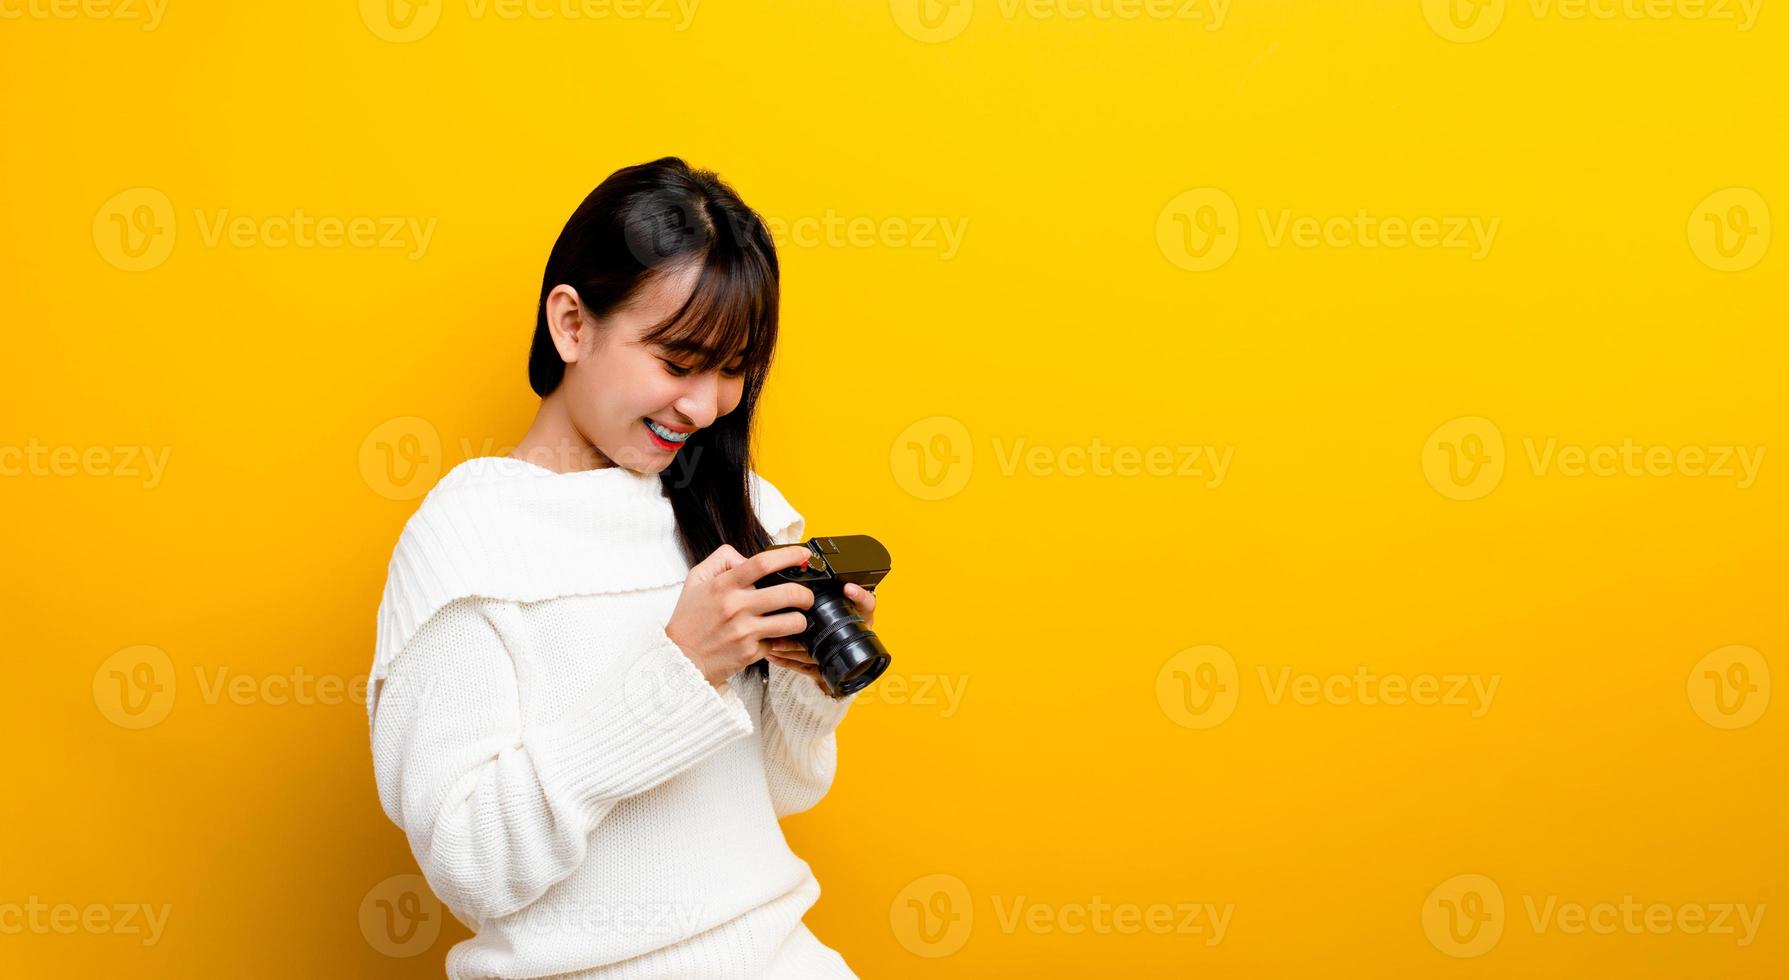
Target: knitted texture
573,789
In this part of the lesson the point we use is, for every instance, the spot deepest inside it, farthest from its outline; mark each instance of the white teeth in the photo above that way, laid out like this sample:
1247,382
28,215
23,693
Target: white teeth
667,434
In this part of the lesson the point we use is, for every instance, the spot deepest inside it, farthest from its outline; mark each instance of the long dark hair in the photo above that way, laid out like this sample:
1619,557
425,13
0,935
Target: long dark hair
649,220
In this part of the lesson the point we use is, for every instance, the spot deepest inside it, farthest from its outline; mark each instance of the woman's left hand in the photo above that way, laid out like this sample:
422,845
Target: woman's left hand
786,651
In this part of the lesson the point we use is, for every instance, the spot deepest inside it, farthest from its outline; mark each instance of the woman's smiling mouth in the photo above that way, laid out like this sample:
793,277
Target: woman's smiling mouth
665,438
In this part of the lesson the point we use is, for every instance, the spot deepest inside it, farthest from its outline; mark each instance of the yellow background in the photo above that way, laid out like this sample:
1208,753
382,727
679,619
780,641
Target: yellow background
1074,766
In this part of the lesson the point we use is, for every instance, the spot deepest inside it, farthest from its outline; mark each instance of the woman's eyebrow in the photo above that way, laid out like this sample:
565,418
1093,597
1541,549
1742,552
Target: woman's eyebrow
686,347
691,348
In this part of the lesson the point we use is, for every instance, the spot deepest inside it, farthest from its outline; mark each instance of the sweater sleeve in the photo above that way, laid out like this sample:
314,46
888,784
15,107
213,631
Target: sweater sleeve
799,734
498,808
799,720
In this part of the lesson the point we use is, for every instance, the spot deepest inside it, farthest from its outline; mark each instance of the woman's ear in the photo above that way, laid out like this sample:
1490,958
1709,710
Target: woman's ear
567,322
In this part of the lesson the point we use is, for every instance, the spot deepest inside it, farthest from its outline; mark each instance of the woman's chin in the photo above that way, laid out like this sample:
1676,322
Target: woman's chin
645,461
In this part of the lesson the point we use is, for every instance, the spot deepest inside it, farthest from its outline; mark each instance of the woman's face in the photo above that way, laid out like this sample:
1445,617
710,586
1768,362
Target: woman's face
614,382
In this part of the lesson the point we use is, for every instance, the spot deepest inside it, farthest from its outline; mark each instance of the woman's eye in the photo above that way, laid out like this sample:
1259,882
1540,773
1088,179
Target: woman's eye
680,371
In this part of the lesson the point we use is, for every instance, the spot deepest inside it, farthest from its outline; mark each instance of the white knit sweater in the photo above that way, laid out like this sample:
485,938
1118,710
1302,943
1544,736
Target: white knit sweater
572,787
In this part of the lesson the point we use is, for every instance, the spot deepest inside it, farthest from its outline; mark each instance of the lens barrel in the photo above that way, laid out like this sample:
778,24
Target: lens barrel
850,656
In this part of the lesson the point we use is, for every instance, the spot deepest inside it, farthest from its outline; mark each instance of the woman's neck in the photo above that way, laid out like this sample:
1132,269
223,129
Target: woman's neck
554,443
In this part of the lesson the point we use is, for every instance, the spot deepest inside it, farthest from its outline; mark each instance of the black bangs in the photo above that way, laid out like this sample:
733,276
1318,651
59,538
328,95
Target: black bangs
730,314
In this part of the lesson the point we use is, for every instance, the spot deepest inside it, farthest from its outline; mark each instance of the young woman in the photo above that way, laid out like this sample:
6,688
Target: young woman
585,716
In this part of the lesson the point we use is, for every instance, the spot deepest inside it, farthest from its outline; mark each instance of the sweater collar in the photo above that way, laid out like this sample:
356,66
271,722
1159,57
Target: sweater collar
504,528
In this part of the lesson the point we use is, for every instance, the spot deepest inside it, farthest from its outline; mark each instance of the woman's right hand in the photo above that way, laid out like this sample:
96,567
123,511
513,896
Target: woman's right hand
721,620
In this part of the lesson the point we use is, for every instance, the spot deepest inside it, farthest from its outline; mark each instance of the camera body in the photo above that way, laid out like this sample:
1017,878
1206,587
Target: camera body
849,654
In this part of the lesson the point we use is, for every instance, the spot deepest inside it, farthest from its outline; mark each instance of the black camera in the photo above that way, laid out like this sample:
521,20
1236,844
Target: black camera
850,656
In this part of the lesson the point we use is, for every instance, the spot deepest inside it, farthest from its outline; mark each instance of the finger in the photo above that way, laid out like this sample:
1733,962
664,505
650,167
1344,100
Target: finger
781,624
808,669
718,561
748,572
789,595
864,600
798,655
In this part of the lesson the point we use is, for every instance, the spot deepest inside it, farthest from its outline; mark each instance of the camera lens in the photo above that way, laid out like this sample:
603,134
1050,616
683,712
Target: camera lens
850,657
863,660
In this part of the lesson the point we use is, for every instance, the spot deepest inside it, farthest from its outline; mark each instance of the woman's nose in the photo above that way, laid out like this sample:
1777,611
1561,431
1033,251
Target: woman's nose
701,400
